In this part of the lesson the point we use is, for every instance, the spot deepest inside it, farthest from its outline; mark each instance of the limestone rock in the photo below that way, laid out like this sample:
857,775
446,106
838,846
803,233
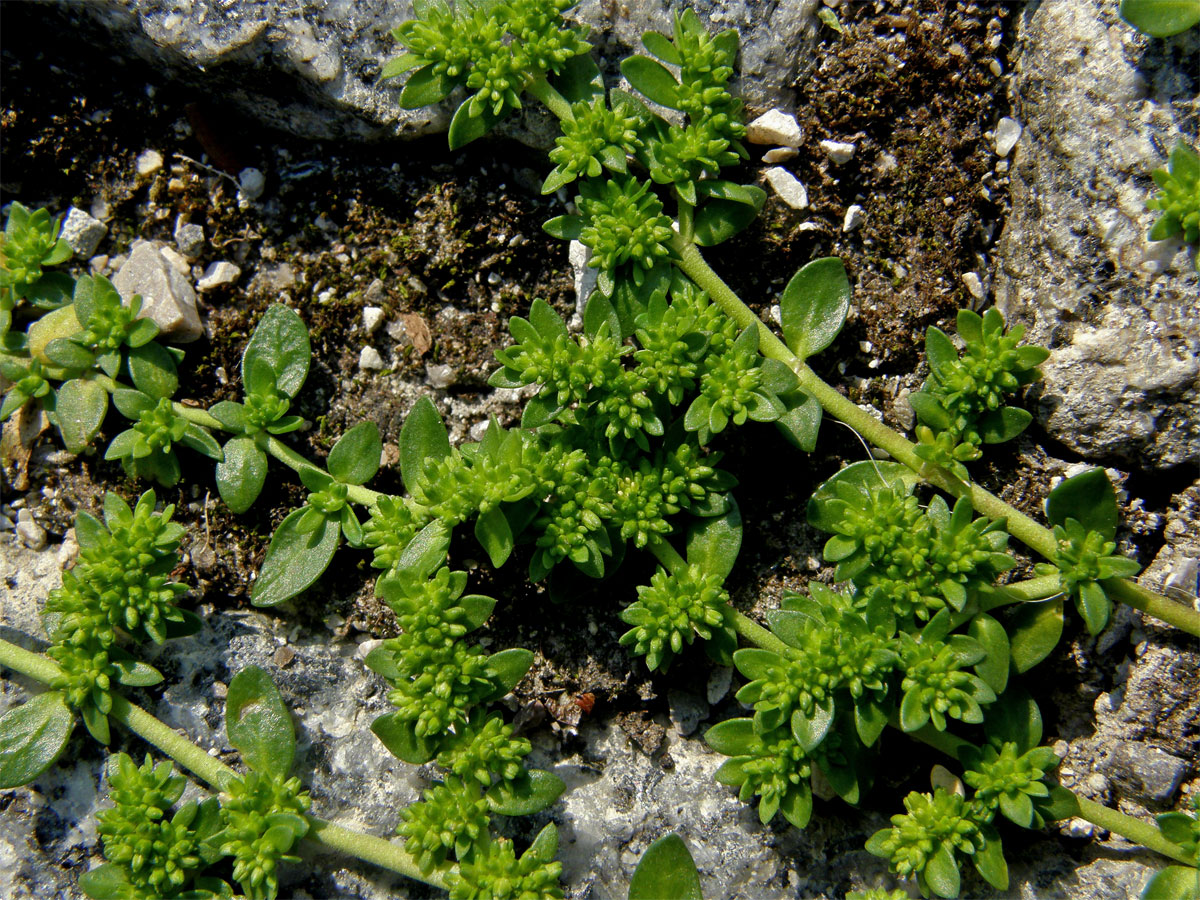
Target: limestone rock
788,187
218,274
1073,262
83,233
167,296
775,127
313,69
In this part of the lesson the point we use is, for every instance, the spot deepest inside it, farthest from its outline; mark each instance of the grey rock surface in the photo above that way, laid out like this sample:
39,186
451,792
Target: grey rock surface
1120,313
167,296
312,68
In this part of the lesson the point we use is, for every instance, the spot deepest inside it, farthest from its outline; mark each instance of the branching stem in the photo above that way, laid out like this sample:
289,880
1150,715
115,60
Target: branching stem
364,846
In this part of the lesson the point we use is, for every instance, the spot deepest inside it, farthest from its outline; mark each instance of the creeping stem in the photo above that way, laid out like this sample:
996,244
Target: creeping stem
1021,526
277,448
1132,829
365,846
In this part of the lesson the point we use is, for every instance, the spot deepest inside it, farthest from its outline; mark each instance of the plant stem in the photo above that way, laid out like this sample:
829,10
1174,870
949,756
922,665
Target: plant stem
755,633
1021,526
1135,830
552,99
367,847
667,555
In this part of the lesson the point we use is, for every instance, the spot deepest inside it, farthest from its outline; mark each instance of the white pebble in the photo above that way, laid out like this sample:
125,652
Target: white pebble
370,360
148,162
32,534
780,154
217,274
854,218
1008,132
774,127
372,318
973,284
839,152
788,187
440,376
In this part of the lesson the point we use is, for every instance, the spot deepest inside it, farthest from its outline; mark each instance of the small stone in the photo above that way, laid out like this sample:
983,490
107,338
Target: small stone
251,183
372,318
1008,132
167,296
973,284
149,162
218,274
440,375
1153,773
686,711
283,656
493,278
1081,829
369,359
780,154
578,254
82,232
839,152
176,260
719,681
774,127
788,187
98,264
32,534
854,218
189,238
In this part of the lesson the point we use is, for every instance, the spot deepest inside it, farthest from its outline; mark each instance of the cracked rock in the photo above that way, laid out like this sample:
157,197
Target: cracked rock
167,296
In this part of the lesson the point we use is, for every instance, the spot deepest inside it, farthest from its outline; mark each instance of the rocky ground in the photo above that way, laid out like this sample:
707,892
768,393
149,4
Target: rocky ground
953,154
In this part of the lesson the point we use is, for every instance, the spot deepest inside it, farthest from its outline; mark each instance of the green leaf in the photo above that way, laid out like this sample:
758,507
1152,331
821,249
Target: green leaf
802,421
508,667
153,370
1176,827
565,228
661,47
813,306
401,739
1161,18
465,128
525,796
242,473
865,476
719,220
713,543
733,737
1015,717
1062,804
1088,497
258,724
666,871
354,459
427,551
994,639
425,87
809,731
1034,630
478,608
1093,604
599,312
579,79
80,408
423,435
1173,883
495,535
941,872
399,65
870,718
989,862
913,715
652,80
135,673
999,425
294,560
106,882
278,353
66,353
545,846
32,736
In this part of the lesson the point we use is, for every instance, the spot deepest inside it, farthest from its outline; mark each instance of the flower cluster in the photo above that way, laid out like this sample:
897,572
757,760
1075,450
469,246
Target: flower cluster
147,449
262,817
672,611
122,581
623,221
934,828
594,139
1008,781
30,240
1178,198
452,818
496,873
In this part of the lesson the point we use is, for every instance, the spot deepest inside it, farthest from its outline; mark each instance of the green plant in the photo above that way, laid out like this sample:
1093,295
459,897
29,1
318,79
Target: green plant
615,455
1161,18
1179,196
